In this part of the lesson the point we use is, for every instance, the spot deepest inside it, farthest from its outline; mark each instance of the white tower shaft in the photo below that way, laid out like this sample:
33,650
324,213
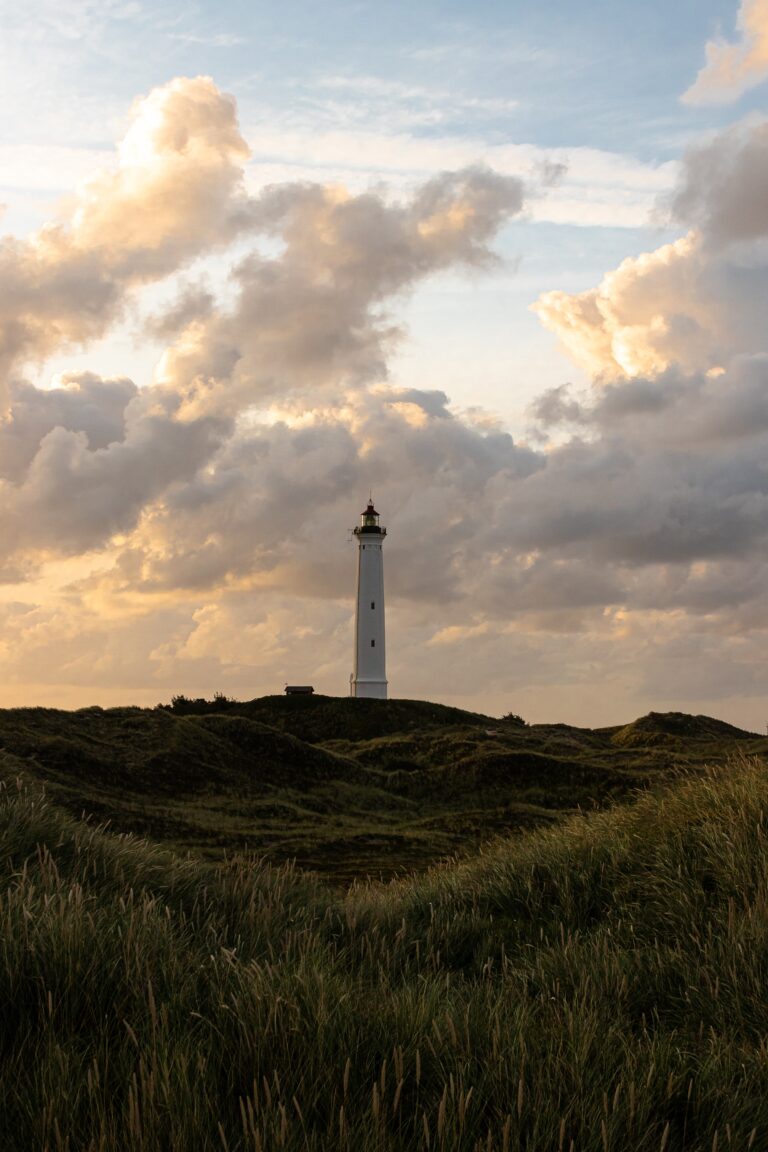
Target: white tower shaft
369,678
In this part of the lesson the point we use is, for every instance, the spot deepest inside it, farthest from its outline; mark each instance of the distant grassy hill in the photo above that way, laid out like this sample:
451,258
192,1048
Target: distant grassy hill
677,729
320,718
346,787
595,986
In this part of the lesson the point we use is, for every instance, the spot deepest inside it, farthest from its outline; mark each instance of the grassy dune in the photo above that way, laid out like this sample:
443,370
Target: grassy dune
600,984
348,788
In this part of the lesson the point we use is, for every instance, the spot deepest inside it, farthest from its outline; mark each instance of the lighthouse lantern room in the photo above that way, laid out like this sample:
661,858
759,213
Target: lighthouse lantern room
370,675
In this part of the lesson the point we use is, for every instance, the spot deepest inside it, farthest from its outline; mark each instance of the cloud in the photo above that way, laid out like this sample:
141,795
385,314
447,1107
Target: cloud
77,491
600,188
307,321
194,302
665,476
733,67
211,40
723,186
664,463
81,403
670,473
697,301
654,310
428,100
176,192
314,319
434,473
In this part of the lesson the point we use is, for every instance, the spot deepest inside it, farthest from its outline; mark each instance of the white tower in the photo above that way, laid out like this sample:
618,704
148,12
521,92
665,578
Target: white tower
370,675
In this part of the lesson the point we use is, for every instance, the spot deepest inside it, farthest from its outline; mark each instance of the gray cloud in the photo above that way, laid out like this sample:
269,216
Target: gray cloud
193,303
556,407
724,186
83,403
276,497
74,497
592,522
671,472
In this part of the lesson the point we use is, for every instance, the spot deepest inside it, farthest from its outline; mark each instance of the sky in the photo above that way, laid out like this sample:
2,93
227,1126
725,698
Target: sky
504,265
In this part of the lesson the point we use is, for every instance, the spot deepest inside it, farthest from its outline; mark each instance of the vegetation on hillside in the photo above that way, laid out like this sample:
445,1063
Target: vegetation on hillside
598,985
348,788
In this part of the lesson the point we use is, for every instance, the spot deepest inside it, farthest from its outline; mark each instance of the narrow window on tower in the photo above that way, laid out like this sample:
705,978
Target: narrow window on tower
373,643
373,603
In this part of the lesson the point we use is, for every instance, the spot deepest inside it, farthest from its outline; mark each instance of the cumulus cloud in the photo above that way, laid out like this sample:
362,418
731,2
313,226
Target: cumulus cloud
654,480
176,191
81,403
665,481
734,66
670,473
723,188
306,322
653,310
73,498
274,493
697,301
314,319
193,302
664,464
652,495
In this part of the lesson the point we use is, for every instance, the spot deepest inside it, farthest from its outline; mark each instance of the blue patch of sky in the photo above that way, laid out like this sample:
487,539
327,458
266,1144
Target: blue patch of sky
600,74
464,332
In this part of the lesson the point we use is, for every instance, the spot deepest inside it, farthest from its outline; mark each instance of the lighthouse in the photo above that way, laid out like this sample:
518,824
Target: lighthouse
370,675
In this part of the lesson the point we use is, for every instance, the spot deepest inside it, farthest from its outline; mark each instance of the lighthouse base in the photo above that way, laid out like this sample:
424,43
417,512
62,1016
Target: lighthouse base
368,689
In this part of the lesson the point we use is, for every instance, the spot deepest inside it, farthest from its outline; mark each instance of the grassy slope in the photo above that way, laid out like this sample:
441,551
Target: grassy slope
598,985
347,787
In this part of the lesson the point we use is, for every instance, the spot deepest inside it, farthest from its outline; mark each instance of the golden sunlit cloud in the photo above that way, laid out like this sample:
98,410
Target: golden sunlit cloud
651,312
733,67
175,192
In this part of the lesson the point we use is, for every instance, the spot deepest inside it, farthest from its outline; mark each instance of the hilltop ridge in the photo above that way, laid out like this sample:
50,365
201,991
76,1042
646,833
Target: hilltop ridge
345,787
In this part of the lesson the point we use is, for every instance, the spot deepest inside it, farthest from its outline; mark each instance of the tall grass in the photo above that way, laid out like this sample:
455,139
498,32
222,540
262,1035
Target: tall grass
600,985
